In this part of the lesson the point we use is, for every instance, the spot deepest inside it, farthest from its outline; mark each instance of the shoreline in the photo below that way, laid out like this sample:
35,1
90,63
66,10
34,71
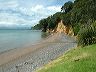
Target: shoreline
37,53
27,50
35,43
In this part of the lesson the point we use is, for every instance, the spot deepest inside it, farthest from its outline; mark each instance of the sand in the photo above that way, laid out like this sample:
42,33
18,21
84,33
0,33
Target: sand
31,58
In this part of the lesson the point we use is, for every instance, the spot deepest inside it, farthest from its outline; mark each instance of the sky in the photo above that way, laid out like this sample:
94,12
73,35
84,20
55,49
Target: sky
27,13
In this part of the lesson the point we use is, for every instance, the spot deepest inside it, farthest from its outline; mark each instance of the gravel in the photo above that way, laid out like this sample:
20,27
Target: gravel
57,45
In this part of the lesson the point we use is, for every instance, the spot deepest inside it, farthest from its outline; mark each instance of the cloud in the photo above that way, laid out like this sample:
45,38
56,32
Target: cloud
26,16
54,8
8,4
26,13
9,19
46,11
37,8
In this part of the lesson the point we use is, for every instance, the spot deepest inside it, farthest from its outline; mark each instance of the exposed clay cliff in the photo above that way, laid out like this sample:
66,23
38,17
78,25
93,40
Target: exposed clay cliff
61,28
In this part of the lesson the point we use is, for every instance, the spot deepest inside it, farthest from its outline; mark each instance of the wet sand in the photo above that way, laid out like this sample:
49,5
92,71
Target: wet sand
31,58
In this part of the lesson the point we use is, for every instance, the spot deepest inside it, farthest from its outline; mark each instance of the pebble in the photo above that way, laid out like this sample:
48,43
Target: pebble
36,60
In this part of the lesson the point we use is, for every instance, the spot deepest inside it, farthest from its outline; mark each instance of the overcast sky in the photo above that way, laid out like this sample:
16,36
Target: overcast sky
27,12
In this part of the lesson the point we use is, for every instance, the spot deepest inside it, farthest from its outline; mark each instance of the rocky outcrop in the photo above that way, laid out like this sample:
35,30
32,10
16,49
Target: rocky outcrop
61,28
71,33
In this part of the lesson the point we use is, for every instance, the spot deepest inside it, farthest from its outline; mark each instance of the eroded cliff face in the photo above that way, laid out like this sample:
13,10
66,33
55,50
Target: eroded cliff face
71,32
61,28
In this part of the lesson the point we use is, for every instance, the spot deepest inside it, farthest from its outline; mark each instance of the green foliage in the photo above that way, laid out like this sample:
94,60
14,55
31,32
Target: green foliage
66,19
53,20
83,10
94,25
66,15
67,7
87,36
49,22
43,24
81,13
76,28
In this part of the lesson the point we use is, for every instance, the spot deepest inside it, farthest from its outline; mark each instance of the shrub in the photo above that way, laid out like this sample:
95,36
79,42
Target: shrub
76,29
87,36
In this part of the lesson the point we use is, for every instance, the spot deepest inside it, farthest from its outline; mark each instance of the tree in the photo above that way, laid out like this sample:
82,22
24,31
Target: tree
83,10
67,7
44,24
66,19
54,20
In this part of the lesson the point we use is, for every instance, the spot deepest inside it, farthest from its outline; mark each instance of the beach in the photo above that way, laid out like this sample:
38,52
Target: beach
34,57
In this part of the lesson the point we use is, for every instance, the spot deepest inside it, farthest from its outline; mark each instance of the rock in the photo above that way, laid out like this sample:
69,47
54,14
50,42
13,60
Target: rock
61,28
76,60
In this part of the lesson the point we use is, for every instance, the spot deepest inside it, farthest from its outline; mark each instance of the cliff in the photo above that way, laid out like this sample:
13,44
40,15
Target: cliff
61,28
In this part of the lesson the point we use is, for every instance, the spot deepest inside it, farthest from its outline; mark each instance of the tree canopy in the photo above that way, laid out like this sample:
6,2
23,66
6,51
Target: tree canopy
80,15
67,7
77,13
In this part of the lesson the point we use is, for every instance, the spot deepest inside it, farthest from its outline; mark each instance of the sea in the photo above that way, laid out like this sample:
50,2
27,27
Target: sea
11,39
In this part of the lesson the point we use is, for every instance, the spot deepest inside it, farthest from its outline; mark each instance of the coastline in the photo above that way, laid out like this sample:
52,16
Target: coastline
17,52
19,56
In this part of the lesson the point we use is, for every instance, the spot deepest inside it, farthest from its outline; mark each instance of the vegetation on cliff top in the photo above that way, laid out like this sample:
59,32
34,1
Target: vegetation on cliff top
78,15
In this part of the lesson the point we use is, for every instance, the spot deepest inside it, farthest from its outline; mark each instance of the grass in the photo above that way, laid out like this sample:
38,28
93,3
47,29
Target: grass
75,60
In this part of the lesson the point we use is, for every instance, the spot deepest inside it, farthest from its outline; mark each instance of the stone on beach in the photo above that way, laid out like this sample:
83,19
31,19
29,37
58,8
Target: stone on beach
54,47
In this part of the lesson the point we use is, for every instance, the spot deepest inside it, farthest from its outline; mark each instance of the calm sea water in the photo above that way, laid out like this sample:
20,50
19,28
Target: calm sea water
10,39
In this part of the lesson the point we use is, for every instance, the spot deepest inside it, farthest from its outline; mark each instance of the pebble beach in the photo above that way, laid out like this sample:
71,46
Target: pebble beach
36,56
